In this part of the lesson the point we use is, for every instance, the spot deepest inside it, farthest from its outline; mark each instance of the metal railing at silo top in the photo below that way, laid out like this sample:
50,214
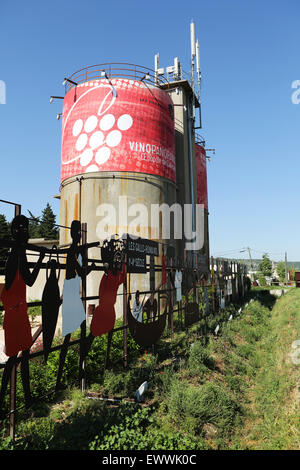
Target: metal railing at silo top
115,70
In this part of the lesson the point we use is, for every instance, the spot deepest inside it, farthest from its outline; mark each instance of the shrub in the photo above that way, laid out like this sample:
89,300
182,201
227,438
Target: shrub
36,434
80,419
35,311
113,383
233,382
164,379
262,280
161,440
6,443
69,427
127,433
200,357
209,403
136,430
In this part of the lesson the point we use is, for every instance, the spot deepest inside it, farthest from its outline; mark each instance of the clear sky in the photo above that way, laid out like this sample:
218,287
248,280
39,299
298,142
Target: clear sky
249,58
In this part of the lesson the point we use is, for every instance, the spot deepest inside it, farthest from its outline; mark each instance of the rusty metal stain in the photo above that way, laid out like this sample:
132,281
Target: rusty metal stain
76,208
66,223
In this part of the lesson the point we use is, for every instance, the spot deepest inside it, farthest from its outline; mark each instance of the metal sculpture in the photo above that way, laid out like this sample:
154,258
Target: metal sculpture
119,257
163,270
192,314
147,327
51,302
177,284
150,308
104,315
73,313
146,334
137,308
16,323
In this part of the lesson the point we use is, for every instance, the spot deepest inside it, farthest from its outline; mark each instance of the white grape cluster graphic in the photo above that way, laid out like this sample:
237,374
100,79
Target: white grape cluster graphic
97,136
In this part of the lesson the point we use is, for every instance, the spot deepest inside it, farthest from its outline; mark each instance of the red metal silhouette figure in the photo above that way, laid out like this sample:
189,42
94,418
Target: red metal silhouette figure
17,330
104,316
17,275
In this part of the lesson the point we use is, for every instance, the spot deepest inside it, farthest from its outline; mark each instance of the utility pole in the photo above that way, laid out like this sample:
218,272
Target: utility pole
286,272
250,259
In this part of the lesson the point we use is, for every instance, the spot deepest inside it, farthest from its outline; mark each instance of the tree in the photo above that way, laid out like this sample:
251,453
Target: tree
281,270
265,265
262,280
47,228
34,226
4,234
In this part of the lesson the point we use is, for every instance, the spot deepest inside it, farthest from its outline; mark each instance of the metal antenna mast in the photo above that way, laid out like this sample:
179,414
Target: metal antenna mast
193,55
199,80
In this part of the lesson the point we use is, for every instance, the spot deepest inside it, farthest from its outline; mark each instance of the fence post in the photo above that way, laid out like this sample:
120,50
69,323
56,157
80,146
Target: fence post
212,280
125,315
12,415
171,293
83,324
13,376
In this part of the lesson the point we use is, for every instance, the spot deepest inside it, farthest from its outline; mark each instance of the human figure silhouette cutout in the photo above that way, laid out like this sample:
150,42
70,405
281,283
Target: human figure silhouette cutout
50,304
104,316
16,325
73,313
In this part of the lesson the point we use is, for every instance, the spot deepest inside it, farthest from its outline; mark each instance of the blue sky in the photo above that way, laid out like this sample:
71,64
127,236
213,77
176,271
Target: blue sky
249,59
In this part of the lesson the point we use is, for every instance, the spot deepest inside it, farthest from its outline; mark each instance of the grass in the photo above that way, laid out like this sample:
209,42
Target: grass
272,287
237,390
275,401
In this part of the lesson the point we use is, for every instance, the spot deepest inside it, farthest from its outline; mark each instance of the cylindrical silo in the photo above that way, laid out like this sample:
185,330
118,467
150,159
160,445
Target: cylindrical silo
117,161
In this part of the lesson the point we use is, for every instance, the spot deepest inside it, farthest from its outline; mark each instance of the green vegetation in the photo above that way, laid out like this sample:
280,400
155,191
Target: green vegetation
275,397
4,234
281,271
262,279
44,225
266,265
237,390
47,228
292,272
34,311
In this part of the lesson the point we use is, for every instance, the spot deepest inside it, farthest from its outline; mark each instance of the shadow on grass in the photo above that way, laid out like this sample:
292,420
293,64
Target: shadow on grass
267,299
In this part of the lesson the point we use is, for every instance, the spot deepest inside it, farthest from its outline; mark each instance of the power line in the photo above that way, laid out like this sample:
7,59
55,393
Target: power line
230,251
245,249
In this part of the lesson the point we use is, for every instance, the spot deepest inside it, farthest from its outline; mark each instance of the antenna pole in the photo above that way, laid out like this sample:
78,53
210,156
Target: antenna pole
199,80
250,259
156,64
286,271
193,54
191,127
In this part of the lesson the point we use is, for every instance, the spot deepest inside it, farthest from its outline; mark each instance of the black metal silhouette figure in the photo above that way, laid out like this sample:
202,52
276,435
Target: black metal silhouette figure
51,302
146,334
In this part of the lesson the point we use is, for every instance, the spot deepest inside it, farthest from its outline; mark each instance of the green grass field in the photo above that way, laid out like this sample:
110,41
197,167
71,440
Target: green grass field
274,406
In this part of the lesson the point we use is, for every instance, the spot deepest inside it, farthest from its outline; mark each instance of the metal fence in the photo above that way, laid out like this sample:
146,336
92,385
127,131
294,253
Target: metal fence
223,283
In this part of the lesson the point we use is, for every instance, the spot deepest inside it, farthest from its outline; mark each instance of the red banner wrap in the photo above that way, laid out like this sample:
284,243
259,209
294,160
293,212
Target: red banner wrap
122,126
201,176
